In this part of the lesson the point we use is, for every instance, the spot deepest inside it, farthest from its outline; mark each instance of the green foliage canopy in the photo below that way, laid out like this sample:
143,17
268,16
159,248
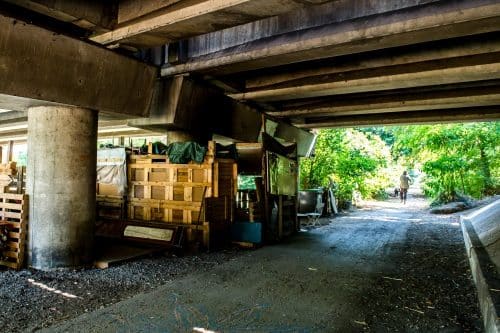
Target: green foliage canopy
456,158
349,157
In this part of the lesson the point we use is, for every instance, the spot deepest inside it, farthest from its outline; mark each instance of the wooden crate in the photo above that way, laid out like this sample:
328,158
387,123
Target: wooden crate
14,212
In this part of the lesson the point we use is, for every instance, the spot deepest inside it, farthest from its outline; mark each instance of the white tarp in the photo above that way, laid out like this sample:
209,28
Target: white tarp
112,168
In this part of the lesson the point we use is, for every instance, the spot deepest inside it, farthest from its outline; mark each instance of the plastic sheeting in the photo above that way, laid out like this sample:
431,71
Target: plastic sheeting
112,168
184,152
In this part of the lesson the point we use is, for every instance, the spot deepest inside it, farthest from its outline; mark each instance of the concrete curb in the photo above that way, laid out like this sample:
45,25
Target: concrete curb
484,272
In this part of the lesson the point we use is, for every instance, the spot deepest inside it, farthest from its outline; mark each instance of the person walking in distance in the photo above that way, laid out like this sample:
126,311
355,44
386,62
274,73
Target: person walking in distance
404,185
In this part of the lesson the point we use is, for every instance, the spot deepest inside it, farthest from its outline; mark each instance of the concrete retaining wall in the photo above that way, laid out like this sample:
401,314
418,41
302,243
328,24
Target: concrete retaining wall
481,230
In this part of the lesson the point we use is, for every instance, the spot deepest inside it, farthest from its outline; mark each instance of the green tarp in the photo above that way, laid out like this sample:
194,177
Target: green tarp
184,152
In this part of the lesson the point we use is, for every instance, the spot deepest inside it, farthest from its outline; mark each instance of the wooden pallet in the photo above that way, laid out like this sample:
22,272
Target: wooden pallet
110,207
168,192
160,191
14,213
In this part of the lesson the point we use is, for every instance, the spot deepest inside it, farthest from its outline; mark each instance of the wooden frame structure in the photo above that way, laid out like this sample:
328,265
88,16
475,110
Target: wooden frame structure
176,194
14,214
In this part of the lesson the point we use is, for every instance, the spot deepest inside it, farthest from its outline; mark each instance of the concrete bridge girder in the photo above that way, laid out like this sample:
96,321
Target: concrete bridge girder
367,51
37,64
408,26
395,103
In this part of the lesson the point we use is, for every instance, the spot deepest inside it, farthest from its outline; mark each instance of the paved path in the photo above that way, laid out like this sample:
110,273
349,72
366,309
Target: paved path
321,280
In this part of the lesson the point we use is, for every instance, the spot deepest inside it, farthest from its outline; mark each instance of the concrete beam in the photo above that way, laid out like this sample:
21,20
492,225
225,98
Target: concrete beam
434,100
436,21
13,117
40,65
464,47
181,103
92,15
313,16
397,77
14,126
132,9
175,20
406,118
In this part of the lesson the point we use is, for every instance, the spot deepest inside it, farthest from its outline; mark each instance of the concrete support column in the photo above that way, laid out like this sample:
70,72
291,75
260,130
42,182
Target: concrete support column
62,149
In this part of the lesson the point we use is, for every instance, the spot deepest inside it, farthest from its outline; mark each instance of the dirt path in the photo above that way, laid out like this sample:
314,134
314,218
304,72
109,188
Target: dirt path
384,268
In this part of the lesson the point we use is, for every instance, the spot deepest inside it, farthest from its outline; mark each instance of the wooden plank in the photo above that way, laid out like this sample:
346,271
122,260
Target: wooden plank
209,192
183,184
14,224
13,196
215,192
13,206
10,254
169,166
9,264
14,215
172,204
120,253
14,245
188,197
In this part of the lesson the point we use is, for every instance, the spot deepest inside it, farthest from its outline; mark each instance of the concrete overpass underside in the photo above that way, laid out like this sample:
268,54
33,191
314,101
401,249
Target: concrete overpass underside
311,64
214,67
348,63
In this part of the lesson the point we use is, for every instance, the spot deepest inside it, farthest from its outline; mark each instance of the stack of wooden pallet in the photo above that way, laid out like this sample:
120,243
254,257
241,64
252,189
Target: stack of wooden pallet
175,193
14,215
162,191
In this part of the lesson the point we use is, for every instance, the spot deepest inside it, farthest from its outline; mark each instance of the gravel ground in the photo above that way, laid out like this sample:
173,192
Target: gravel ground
31,299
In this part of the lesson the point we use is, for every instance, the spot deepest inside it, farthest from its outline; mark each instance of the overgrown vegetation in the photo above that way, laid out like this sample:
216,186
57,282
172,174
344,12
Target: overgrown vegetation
353,160
456,160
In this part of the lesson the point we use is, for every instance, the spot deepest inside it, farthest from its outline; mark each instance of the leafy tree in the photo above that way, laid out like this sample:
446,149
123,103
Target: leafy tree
351,158
457,159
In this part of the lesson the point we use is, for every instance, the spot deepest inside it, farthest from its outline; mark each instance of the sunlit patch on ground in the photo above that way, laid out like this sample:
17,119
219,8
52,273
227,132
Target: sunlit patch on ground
50,289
